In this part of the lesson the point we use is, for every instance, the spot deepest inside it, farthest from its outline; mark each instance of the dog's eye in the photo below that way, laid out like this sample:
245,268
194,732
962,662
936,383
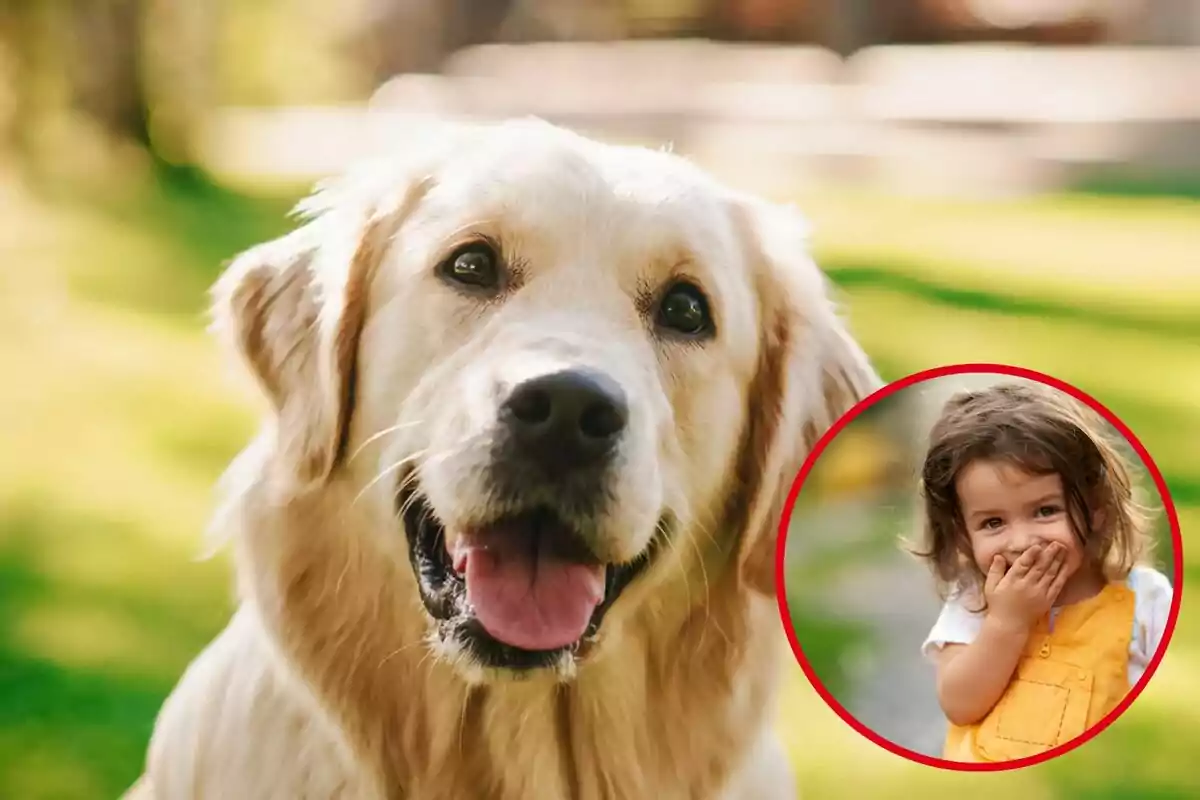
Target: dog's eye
475,264
685,310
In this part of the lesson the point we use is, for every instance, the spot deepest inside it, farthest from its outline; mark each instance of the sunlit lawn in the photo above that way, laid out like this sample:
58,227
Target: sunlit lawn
119,415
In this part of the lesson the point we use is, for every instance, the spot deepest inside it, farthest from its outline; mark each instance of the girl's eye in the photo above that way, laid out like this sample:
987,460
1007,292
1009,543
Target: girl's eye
1048,511
991,523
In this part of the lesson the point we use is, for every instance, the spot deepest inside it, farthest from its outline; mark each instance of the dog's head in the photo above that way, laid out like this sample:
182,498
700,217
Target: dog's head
555,369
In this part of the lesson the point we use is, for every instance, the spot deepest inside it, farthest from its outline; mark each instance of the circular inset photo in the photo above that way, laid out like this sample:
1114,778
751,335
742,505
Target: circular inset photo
979,567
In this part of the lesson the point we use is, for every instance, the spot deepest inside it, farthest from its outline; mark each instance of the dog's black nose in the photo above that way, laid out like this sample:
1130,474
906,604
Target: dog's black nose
568,418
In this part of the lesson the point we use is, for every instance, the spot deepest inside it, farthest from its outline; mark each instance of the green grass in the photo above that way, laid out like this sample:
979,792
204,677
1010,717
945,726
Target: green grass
125,414
828,642
123,419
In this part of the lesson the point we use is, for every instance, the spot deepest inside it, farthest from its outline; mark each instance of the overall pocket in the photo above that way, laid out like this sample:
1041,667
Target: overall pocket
1045,705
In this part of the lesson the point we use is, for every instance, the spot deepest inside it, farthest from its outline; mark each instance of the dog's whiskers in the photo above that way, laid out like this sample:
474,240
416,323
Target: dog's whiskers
462,718
454,450
409,479
701,527
715,623
398,651
383,473
379,435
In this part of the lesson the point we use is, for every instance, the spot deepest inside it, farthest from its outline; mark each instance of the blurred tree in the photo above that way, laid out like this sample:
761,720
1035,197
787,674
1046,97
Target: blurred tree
179,56
570,20
25,45
400,36
759,20
118,71
851,25
105,61
471,22
403,36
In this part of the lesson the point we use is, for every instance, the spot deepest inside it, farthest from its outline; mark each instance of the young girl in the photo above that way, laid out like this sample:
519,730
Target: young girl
1036,543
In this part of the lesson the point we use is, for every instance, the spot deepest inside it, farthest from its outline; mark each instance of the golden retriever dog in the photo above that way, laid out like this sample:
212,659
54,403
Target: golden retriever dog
509,529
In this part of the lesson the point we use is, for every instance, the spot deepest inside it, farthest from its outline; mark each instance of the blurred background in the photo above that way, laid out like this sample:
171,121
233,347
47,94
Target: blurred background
1002,180
861,603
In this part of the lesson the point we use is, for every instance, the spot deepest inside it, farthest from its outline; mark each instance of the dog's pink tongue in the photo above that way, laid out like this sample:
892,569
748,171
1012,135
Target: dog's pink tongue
524,593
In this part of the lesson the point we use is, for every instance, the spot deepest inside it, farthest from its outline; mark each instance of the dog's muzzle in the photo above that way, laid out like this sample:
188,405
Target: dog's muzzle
531,584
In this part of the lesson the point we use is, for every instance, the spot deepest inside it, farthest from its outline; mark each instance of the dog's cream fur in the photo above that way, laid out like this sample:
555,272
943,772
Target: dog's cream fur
328,682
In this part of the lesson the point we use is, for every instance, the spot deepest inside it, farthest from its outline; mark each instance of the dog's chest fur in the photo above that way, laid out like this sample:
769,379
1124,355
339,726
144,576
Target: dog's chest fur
624,731
636,736
649,725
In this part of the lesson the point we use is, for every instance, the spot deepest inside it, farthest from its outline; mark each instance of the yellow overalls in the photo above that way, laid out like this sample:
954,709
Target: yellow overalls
1067,680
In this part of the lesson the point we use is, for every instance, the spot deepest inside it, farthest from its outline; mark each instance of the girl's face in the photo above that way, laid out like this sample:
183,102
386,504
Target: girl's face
1007,510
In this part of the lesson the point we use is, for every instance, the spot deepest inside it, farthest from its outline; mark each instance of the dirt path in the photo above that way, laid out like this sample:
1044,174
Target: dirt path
890,687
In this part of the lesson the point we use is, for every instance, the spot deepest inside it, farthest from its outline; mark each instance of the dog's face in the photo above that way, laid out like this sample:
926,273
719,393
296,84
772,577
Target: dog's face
554,367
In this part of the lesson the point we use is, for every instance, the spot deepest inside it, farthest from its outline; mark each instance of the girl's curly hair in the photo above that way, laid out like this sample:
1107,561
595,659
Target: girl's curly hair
1041,431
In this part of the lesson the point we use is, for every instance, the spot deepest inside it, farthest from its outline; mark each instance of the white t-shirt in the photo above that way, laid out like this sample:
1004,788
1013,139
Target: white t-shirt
1152,593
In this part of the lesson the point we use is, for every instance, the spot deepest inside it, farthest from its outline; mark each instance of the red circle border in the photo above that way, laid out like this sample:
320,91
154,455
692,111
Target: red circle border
887,391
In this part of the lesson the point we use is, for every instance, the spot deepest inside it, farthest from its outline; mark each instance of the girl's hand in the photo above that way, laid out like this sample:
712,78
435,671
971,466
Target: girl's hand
1020,595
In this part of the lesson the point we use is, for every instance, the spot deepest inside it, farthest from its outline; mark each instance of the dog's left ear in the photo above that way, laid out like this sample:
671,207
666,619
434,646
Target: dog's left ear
810,372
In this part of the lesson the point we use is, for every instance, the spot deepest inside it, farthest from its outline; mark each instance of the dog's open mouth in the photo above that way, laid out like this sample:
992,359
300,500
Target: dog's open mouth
520,591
